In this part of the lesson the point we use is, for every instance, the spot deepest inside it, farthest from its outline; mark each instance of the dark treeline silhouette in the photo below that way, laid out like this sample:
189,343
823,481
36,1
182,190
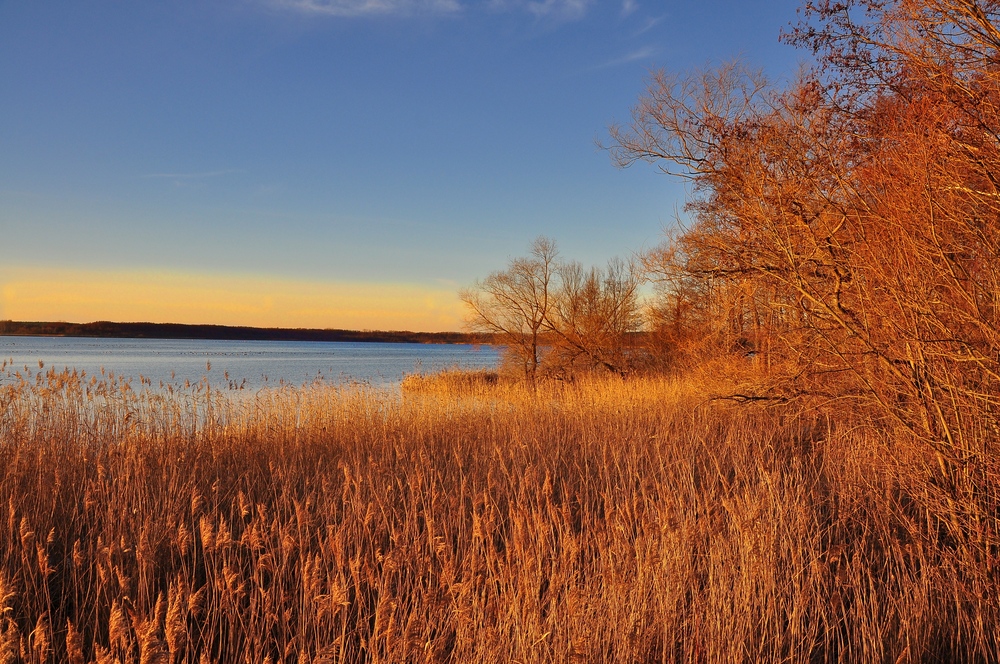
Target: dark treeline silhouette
106,329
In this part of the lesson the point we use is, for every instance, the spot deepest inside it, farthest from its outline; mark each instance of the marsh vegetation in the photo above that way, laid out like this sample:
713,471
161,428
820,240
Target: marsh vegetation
480,521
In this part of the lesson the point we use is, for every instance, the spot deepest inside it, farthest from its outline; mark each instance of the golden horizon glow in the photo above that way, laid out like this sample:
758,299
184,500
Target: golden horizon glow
81,295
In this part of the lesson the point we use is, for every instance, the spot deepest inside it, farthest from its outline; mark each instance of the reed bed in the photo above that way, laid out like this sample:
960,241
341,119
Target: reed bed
602,521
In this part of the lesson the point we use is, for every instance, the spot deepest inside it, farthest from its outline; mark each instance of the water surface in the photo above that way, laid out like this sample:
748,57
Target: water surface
237,364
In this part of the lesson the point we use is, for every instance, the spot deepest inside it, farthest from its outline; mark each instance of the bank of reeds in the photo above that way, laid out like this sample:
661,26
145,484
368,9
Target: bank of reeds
604,521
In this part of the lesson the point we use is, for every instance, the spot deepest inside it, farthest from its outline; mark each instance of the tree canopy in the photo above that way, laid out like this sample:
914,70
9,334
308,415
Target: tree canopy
847,226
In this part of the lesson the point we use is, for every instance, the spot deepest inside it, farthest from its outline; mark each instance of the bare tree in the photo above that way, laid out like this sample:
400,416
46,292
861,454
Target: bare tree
557,318
595,317
515,304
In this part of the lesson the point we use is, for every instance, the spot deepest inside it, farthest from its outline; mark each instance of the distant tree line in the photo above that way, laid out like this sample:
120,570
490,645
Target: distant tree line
844,232
105,329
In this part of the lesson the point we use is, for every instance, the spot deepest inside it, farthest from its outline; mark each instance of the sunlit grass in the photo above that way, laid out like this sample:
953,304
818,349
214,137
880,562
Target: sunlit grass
469,519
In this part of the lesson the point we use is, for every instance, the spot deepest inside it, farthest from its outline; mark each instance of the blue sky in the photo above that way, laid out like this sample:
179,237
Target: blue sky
399,148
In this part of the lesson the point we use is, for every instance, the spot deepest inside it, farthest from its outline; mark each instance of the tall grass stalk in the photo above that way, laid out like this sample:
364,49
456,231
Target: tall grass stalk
600,521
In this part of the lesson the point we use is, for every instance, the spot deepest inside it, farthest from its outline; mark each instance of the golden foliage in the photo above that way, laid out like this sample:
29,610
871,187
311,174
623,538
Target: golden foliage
846,227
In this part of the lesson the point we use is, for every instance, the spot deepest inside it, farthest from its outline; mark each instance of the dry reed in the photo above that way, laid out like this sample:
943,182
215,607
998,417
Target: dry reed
603,521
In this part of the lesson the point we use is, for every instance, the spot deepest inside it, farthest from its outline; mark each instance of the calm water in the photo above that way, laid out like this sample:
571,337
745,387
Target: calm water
238,364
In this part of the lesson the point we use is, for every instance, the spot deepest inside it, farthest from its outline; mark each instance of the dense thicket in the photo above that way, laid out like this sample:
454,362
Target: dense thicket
846,228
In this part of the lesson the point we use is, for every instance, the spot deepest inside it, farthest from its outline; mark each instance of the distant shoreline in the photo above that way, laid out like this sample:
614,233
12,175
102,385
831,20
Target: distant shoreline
109,330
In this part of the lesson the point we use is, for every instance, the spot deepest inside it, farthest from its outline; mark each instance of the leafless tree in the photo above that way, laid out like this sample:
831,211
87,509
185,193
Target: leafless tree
557,318
515,304
596,316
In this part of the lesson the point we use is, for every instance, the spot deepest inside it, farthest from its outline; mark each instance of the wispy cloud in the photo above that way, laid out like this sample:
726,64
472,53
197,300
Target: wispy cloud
192,176
649,24
644,53
629,6
560,9
348,8
563,10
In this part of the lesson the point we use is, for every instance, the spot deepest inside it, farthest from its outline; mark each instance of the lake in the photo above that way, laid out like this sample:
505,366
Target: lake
247,365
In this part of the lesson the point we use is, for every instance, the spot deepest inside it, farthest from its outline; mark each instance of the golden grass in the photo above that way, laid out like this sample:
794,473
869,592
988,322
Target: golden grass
455,381
603,521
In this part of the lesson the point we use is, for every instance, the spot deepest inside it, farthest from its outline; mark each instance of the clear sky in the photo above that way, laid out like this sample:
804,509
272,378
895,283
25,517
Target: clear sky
329,163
